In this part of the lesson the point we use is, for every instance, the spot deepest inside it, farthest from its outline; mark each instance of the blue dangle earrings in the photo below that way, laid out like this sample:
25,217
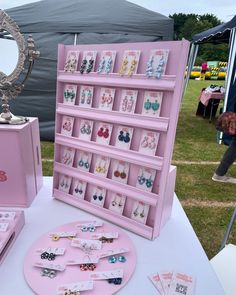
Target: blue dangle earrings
159,69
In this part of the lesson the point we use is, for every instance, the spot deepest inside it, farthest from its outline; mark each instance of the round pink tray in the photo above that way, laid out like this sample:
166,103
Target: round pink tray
72,274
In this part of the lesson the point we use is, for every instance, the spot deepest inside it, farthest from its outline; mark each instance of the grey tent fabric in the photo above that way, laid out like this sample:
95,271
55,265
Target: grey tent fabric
57,21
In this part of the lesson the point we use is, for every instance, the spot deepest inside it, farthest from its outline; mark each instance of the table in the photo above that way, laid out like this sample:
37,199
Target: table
177,248
213,98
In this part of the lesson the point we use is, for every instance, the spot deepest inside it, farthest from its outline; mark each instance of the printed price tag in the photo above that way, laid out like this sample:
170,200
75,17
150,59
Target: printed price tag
105,275
108,253
49,265
83,260
85,244
74,287
105,235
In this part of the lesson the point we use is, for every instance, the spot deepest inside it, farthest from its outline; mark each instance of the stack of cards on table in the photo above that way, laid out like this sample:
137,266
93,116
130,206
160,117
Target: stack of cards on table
173,283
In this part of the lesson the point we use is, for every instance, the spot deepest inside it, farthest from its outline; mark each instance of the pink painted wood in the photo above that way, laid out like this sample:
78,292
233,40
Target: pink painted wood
171,84
20,162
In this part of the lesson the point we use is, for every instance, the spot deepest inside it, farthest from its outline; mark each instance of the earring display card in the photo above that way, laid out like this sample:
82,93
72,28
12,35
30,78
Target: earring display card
79,188
120,171
128,101
106,100
67,157
88,62
71,61
107,61
117,203
98,196
84,161
152,103
124,137
86,96
86,128
75,267
140,212
149,142
104,133
157,63
130,62
65,183
102,166
69,94
11,223
146,178
67,125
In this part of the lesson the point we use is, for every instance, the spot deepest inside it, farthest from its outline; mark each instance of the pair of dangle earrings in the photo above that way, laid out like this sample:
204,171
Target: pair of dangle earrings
64,183
84,96
105,66
139,211
106,99
142,180
78,188
69,95
85,129
148,105
85,65
127,104
159,70
149,142
118,202
83,163
124,137
101,168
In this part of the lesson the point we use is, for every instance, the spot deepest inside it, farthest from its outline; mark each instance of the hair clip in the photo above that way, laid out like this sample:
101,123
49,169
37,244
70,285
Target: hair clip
69,292
90,228
46,272
48,256
115,281
106,240
114,259
87,266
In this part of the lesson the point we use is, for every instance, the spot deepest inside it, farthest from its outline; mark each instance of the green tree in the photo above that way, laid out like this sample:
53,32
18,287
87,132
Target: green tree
187,25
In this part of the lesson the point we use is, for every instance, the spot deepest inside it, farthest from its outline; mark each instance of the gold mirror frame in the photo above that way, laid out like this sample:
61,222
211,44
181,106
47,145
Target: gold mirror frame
11,85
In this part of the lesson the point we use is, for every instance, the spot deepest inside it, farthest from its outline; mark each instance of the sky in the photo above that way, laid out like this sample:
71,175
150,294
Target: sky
223,9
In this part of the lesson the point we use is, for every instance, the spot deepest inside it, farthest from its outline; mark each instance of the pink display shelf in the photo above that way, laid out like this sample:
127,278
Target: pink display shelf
42,285
147,207
11,223
20,164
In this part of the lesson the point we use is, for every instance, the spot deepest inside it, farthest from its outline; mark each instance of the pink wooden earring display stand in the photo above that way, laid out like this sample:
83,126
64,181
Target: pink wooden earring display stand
170,83
42,285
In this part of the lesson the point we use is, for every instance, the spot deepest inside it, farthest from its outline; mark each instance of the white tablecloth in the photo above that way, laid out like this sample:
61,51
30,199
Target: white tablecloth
177,248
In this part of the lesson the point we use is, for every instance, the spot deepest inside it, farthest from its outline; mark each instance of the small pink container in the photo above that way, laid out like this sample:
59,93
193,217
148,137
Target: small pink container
20,164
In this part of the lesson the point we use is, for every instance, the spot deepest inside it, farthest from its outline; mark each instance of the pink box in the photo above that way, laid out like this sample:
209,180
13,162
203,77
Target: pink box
20,164
11,223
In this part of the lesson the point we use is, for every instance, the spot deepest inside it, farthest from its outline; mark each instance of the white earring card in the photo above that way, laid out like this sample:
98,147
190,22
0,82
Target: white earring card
107,61
67,157
71,62
148,143
98,196
140,212
86,96
128,101
69,94
67,125
152,103
106,99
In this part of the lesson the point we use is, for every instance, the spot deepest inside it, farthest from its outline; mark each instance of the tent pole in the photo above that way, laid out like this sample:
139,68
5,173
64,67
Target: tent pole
231,62
75,39
191,61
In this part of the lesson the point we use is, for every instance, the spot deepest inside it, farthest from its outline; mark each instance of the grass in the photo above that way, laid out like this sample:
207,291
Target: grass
195,142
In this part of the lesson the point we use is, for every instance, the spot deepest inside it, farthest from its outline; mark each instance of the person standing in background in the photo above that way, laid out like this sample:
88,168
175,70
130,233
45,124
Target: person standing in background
203,70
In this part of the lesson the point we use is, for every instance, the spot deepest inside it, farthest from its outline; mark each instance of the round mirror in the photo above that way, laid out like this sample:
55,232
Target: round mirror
9,53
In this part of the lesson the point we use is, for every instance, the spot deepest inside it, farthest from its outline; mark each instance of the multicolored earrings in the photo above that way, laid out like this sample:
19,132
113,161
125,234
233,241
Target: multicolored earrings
149,70
142,180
